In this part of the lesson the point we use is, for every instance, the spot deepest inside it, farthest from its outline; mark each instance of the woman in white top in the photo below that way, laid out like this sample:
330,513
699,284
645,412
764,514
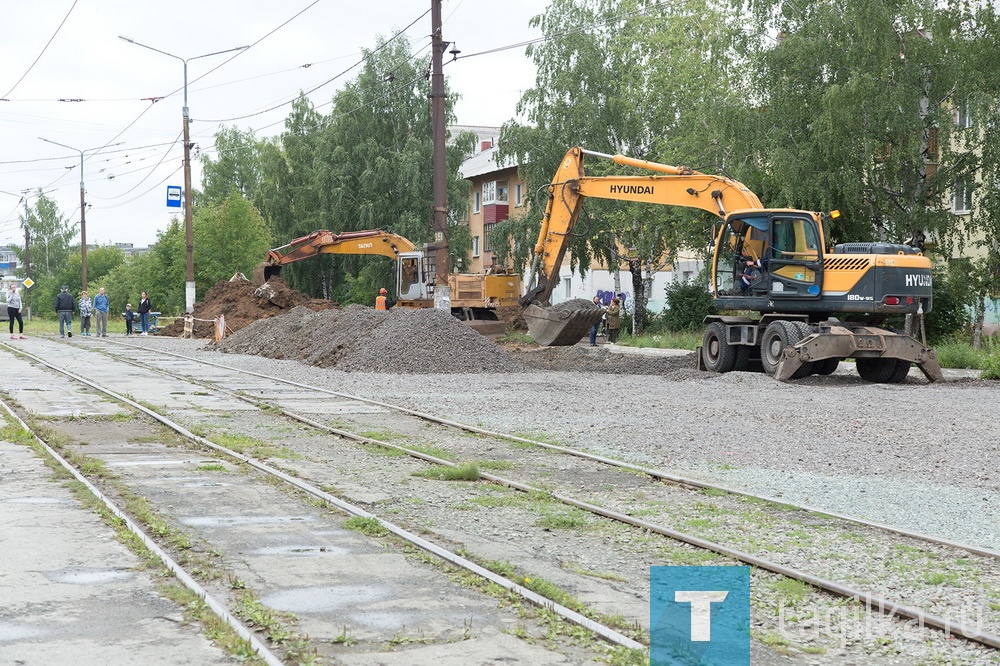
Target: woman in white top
14,312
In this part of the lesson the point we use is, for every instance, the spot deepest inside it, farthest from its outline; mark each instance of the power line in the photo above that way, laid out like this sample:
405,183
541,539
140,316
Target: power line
44,49
325,83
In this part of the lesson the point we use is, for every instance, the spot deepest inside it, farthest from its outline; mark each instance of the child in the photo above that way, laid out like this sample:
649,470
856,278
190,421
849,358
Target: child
129,316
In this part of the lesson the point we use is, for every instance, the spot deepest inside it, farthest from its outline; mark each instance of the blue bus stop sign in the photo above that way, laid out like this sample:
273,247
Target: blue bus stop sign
173,196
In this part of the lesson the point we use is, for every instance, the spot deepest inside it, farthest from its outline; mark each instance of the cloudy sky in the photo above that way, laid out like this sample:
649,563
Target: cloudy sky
67,77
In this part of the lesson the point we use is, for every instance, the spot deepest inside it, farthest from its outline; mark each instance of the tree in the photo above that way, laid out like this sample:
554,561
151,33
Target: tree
230,237
51,235
620,77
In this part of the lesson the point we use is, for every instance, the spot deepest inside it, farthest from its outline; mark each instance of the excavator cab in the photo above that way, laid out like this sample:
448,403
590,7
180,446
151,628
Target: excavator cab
785,245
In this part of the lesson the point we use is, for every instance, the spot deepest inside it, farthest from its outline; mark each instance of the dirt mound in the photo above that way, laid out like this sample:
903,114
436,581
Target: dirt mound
240,304
360,339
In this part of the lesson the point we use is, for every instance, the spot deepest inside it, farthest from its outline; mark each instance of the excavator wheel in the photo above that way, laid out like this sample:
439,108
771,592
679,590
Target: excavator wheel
777,336
719,355
883,370
826,367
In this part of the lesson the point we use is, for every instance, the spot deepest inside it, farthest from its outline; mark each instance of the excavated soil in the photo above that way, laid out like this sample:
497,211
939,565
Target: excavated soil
275,321
243,303
360,339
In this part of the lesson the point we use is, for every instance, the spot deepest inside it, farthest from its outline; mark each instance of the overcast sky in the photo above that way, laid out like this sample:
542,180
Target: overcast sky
296,45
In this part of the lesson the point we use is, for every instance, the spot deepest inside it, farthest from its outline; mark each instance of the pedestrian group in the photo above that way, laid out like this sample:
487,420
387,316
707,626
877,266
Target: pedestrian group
95,311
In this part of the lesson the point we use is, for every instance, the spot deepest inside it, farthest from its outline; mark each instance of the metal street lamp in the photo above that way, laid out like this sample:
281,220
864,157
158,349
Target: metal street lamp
83,205
189,291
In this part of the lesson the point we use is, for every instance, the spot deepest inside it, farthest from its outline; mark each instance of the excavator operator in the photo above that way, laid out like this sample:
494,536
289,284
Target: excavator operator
382,301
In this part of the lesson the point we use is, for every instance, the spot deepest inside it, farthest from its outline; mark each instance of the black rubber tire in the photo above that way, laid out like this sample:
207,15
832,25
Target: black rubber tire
777,336
826,367
883,370
805,330
718,355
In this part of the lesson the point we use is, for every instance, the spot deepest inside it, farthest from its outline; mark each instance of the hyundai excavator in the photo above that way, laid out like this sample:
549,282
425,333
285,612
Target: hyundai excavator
474,297
796,286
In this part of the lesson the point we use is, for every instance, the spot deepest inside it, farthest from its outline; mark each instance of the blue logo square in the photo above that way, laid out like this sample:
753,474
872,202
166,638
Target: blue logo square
699,616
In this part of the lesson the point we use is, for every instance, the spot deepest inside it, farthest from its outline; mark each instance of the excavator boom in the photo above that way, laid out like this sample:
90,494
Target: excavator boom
680,186
375,241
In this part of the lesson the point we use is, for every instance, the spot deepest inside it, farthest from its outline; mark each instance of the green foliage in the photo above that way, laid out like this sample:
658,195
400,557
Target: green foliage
618,86
992,367
229,237
366,165
687,305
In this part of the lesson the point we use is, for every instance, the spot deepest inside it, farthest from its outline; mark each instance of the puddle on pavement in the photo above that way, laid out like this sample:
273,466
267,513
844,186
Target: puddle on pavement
324,599
301,550
88,576
11,631
229,521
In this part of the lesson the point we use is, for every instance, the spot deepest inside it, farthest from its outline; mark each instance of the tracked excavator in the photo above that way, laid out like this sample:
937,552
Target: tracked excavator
814,306
474,297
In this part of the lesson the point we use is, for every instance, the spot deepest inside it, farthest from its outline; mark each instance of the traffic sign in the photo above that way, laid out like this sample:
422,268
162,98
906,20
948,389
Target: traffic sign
28,282
173,196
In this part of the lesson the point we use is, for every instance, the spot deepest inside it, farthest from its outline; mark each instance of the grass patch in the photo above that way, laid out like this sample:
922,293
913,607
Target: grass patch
254,448
792,591
568,518
463,472
196,610
494,465
367,526
211,467
665,340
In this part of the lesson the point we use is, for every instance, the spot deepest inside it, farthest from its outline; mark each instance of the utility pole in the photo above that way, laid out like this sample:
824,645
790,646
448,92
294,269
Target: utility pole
83,205
442,291
189,286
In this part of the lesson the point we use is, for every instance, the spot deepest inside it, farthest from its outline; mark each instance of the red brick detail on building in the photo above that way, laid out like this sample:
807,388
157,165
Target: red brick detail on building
495,213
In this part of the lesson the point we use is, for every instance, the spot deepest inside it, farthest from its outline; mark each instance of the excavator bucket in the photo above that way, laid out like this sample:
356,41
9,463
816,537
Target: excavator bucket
263,272
563,324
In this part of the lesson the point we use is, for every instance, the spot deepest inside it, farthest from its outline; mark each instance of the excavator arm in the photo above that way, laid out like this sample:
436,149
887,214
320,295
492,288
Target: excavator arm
376,241
678,186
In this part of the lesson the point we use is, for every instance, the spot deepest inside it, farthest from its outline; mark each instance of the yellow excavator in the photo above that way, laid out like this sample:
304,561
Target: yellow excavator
474,297
772,262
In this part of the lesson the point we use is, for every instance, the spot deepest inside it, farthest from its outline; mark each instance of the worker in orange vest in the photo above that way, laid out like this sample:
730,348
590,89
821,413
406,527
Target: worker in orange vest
381,301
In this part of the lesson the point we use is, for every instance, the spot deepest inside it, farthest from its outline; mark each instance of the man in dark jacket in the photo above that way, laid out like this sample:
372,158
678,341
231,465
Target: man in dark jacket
64,308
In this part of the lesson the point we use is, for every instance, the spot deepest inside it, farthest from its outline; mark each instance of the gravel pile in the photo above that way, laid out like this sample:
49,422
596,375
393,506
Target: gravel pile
360,339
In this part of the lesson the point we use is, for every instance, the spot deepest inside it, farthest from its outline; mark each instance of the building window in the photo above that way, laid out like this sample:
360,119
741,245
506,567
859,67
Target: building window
963,117
487,236
519,194
477,202
567,288
475,246
502,191
962,202
489,192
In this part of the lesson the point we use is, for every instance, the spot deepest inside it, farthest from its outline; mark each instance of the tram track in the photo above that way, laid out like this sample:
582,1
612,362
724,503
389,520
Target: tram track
605,633
875,602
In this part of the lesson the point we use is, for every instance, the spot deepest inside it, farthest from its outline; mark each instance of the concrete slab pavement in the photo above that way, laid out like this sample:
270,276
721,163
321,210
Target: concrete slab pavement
70,593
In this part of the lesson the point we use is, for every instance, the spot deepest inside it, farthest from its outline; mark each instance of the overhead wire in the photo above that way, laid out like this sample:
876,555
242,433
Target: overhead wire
44,49
323,84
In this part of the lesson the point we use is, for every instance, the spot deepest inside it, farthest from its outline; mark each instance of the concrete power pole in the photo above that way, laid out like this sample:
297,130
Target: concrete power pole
442,291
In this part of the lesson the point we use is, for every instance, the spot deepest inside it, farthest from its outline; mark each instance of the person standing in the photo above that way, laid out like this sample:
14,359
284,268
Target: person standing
144,308
382,300
101,309
614,315
597,325
64,308
129,318
86,307
14,312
